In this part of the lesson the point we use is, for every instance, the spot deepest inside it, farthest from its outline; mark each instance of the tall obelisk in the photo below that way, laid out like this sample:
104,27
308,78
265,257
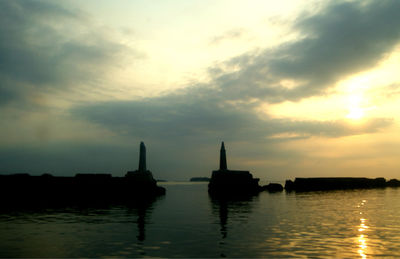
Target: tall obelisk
142,158
222,158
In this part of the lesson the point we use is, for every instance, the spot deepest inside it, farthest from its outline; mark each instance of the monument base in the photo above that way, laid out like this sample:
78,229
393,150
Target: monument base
232,182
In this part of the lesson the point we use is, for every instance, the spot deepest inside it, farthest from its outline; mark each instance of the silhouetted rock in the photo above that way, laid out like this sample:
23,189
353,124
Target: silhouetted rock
334,183
393,183
200,179
272,187
226,182
289,185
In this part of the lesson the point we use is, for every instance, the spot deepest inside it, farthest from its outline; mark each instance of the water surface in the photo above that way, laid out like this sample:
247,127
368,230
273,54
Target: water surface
188,223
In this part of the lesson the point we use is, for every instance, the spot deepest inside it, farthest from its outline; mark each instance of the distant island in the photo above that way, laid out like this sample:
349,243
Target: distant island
200,179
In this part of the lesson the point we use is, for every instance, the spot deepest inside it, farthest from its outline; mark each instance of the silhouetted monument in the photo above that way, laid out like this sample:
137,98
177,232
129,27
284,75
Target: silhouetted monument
142,179
142,169
222,158
231,182
142,158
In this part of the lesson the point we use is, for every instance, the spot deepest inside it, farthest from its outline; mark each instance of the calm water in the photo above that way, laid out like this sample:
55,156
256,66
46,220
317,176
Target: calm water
187,223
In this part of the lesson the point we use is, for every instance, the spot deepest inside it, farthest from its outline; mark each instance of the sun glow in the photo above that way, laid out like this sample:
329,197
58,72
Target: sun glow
356,112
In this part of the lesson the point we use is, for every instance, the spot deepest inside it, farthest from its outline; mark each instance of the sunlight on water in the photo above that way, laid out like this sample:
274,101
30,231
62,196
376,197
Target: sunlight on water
362,245
362,238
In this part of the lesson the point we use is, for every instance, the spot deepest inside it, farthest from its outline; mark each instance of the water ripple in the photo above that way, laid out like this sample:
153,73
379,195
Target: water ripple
187,223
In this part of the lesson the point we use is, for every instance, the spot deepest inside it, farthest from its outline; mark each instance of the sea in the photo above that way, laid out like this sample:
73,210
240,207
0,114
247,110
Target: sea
187,222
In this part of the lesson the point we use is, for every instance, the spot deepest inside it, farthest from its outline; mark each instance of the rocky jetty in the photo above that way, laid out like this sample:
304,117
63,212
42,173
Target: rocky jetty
393,183
99,188
225,182
338,183
273,187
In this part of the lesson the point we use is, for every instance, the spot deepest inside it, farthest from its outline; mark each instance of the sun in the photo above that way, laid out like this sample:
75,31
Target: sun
356,112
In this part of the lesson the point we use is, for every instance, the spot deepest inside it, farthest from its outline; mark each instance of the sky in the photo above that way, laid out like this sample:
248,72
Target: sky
294,88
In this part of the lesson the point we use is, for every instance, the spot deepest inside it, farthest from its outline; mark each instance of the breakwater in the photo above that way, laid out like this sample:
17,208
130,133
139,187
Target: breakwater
338,183
27,189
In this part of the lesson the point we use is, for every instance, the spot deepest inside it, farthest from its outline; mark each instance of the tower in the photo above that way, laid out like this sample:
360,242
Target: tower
222,158
142,158
141,181
225,182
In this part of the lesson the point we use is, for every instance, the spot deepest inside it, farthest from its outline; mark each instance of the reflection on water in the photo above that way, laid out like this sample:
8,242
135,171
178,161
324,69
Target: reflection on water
143,211
188,223
85,229
363,237
237,209
362,245
223,218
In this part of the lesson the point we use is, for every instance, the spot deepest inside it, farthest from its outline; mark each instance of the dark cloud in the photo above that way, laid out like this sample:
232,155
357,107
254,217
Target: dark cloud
8,93
44,46
343,39
166,117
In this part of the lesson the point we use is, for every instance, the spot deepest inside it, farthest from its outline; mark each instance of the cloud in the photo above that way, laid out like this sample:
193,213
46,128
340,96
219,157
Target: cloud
178,116
345,38
228,35
386,92
183,128
46,46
